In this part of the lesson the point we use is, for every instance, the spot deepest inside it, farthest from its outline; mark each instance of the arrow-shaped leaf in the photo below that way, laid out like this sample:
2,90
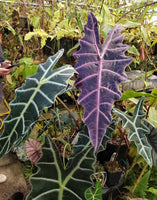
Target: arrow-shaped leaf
101,69
52,181
137,130
38,92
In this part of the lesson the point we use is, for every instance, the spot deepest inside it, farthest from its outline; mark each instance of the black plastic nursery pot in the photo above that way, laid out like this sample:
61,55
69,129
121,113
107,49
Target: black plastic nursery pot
113,178
113,184
105,155
106,191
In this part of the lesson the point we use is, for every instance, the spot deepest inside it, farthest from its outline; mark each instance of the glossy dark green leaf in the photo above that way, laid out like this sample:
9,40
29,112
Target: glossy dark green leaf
52,181
38,92
96,194
137,130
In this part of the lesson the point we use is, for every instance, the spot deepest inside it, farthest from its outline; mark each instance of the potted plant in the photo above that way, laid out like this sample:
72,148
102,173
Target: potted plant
99,70
114,173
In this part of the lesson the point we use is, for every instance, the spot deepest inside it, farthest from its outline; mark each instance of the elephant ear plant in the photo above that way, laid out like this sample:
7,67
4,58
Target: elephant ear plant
31,99
100,69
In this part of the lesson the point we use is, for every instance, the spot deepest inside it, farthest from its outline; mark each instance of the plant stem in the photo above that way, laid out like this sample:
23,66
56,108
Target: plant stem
64,156
122,131
68,111
51,6
139,178
43,4
77,106
101,6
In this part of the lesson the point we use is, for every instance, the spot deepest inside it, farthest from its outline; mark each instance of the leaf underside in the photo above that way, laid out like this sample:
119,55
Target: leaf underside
101,69
137,130
38,92
52,181
33,149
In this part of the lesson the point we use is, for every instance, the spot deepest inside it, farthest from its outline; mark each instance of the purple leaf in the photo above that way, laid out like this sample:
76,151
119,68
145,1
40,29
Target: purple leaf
101,68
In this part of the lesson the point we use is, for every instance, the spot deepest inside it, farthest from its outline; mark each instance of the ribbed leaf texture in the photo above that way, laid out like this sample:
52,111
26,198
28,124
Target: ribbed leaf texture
33,149
142,185
53,182
137,130
38,92
82,139
101,69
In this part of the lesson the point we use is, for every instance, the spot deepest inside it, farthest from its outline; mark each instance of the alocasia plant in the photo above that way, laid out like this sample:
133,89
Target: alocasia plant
38,92
137,130
52,181
101,69
97,194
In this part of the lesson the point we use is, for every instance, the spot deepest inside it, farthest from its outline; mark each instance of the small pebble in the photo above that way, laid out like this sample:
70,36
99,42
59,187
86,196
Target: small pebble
3,178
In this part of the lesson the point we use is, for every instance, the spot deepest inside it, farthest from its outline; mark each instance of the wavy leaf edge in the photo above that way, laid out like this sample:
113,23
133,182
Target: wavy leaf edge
95,64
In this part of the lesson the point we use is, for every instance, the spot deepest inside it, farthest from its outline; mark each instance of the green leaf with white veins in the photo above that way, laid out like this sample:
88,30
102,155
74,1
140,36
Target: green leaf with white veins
97,194
53,182
38,92
137,130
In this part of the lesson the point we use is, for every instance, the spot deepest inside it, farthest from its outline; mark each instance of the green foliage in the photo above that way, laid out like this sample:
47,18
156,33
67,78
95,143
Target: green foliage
133,50
142,186
131,94
137,130
29,103
62,183
152,139
146,187
27,169
145,36
27,68
153,100
96,194
39,33
153,191
57,118
152,185
153,116
67,20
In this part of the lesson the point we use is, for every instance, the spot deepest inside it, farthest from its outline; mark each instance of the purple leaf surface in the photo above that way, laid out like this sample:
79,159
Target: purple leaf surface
101,68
